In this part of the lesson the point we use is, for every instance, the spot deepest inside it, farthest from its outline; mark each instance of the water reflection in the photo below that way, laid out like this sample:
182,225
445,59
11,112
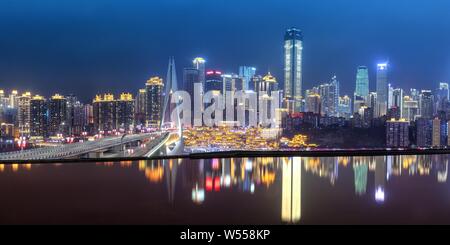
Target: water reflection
287,180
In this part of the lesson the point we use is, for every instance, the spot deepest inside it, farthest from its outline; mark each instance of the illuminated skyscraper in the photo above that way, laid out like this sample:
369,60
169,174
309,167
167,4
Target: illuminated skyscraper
410,108
424,132
57,115
104,111
74,115
190,77
397,100
3,100
382,90
442,97
436,133
88,118
13,97
125,112
38,117
426,103
199,64
329,95
312,103
23,114
153,103
293,46
362,83
345,107
214,81
139,107
246,73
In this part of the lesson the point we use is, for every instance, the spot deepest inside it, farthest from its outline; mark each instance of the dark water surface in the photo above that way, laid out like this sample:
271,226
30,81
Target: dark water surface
299,190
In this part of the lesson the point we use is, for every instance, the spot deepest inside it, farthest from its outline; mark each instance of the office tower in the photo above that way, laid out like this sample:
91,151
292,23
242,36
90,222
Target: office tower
293,46
362,86
199,64
139,107
214,81
382,90
442,97
415,94
424,132
57,109
38,117
397,100
88,119
362,82
227,81
104,111
366,115
124,112
345,106
442,115
4,101
13,97
329,94
170,86
410,108
74,114
436,135
312,103
153,103
390,94
246,73
23,114
372,101
190,77
426,103
397,133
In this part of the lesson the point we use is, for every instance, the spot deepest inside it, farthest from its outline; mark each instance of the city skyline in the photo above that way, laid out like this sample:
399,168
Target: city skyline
66,66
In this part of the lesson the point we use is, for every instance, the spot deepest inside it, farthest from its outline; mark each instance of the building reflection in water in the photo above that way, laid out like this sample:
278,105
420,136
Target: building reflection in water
291,190
380,178
200,178
360,170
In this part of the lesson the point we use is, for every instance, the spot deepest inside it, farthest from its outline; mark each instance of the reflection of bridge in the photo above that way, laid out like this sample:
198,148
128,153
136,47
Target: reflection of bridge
114,146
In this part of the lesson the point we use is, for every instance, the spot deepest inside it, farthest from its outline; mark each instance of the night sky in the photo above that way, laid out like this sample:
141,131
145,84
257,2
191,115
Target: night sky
90,46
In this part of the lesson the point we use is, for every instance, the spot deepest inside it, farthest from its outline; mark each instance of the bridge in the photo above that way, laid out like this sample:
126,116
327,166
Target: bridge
141,145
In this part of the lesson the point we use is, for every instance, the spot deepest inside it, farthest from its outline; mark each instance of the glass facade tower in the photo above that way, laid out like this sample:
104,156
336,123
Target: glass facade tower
293,45
382,90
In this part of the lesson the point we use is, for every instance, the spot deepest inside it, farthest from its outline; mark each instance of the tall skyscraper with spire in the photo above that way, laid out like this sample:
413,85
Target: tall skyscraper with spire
293,46
170,87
